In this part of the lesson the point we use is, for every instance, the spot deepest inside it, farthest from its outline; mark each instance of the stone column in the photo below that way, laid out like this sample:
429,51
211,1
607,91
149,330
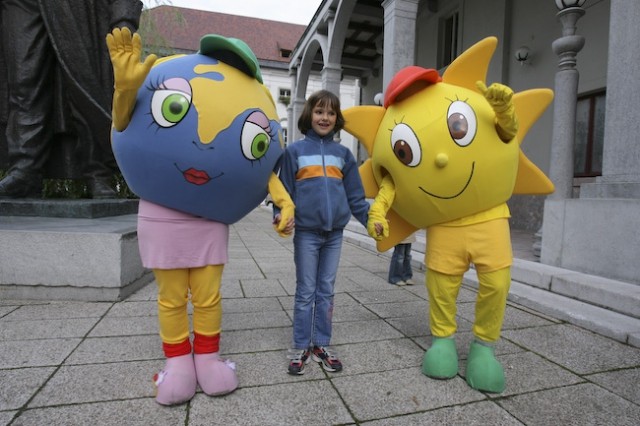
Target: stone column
299,85
563,137
399,36
331,76
564,107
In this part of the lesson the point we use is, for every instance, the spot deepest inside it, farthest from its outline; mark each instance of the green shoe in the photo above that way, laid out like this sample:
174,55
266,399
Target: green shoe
441,360
484,372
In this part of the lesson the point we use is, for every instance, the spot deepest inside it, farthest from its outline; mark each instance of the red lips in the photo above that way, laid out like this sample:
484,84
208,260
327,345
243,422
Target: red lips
196,177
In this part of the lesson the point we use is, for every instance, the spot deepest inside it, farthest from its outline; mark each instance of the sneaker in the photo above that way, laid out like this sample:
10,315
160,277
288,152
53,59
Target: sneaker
399,283
409,282
299,358
329,360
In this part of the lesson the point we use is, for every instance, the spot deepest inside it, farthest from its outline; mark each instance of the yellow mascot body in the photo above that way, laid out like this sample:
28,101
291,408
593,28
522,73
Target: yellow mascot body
445,157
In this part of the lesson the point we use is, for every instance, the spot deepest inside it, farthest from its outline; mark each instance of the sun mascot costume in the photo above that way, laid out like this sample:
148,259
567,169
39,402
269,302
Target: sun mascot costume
197,138
445,157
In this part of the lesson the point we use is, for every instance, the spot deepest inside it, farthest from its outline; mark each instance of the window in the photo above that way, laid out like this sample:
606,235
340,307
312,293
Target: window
448,39
589,140
285,96
285,53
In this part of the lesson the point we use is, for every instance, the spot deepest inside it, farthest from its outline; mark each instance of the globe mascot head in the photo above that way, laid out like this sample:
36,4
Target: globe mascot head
204,136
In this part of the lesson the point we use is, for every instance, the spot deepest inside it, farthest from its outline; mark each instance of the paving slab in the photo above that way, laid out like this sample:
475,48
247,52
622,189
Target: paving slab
401,391
476,413
76,384
36,353
316,402
581,404
135,412
19,385
624,383
580,351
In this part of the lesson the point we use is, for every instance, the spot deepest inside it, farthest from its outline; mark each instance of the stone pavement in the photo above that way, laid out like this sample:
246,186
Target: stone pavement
78,363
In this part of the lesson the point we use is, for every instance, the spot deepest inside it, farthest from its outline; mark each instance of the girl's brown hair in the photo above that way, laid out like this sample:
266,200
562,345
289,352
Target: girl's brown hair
322,98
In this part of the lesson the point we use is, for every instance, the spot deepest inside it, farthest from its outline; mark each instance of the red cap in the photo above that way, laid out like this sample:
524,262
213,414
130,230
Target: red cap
405,78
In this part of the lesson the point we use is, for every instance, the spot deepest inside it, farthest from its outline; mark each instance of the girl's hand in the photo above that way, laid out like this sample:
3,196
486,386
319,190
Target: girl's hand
287,228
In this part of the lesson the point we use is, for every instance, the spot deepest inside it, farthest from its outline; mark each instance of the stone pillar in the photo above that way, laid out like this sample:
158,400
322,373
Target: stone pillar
298,104
292,122
564,107
331,76
399,36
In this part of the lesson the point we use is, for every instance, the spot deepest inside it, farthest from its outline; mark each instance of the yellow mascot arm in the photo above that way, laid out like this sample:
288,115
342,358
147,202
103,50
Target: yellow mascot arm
381,205
500,97
129,73
281,198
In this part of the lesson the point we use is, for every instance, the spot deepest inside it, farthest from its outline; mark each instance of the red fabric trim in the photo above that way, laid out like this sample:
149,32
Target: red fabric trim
206,344
176,349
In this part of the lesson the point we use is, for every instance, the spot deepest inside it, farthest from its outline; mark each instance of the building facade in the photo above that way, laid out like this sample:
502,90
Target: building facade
169,30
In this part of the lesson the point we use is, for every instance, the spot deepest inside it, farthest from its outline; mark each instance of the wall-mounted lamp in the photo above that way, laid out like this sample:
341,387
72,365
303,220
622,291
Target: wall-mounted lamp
523,55
565,4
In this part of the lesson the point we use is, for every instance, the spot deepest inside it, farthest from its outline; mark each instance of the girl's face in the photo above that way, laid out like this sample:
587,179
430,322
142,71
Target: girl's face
323,119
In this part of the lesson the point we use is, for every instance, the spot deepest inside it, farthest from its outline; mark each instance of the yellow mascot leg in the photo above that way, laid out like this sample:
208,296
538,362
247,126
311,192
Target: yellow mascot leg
441,359
484,371
206,300
216,376
177,382
173,296
491,304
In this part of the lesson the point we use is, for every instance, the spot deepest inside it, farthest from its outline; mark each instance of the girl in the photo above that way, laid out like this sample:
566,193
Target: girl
323,180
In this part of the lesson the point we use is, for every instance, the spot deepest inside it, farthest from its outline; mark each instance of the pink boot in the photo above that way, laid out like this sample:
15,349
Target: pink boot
176,383
216,376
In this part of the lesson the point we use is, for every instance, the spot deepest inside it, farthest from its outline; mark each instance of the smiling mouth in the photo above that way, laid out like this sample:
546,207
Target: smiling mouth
195,176
442,197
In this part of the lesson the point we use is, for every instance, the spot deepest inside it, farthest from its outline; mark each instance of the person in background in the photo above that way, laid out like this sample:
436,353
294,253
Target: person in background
400,272
323,180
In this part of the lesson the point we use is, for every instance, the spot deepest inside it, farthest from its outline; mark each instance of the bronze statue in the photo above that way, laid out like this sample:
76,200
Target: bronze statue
59,79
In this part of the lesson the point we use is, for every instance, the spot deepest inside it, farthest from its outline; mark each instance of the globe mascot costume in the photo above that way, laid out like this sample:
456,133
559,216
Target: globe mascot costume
197,138
445,157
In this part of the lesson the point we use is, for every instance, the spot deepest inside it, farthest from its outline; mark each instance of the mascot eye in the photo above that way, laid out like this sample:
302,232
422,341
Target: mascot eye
405,145
461,120
168,107
255,141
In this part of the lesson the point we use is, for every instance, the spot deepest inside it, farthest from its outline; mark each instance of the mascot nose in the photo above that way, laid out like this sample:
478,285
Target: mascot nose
442,160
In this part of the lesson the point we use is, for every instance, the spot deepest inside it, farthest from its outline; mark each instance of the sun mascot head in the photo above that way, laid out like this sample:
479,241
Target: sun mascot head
203,134
438,138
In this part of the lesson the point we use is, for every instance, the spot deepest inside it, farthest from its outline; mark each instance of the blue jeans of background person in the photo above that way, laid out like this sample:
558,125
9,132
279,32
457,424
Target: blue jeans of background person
316,255
400,266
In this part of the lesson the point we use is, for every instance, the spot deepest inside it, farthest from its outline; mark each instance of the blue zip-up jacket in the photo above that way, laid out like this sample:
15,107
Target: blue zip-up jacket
323,180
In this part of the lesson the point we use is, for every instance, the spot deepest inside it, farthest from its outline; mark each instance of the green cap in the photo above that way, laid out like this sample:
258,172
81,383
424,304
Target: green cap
216,46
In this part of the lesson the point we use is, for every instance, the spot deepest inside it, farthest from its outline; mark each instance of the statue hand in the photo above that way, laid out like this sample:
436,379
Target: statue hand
125,51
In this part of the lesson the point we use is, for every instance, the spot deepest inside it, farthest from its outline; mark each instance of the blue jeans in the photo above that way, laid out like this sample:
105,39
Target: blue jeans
317,255
400,266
